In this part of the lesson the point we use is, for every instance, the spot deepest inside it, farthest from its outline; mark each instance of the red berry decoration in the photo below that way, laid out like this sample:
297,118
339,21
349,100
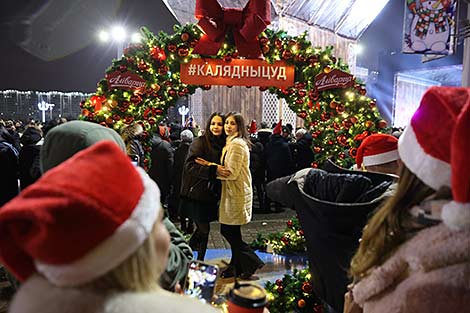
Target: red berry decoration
279,282
122,68
301,232
206,87
290,223
333,105
172,92
163,70
301,303
342,140
158,111
316,149
314,165
362,91
280,289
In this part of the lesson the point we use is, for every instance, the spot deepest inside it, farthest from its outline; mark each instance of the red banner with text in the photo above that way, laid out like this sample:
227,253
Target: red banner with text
237,72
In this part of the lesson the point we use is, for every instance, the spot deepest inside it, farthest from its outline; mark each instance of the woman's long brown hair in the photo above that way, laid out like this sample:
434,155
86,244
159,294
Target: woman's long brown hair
385,232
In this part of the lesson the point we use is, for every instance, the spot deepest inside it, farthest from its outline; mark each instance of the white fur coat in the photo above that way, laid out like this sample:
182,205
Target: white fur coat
429,273
38,295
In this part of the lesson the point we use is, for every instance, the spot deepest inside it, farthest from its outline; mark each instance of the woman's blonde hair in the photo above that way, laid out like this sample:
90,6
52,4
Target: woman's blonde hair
140,272
385,231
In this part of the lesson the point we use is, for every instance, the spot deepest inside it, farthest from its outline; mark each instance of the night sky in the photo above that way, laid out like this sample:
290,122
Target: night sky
79,71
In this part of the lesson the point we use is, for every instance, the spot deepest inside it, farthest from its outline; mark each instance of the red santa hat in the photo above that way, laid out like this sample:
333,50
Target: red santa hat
81,219
253,129
278,129
377,149
435,147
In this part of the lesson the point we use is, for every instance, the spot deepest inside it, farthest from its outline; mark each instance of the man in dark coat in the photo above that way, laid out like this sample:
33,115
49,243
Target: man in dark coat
161,169
31,141
8,167
181,152
302,152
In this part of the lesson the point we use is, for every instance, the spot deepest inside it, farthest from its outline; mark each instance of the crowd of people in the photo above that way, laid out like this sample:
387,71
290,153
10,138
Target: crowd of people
90,234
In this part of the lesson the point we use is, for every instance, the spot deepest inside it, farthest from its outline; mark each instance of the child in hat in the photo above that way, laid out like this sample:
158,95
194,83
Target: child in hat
414,255
80,244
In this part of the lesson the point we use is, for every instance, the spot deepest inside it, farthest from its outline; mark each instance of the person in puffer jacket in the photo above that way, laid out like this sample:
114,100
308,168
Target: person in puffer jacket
31,143
333,206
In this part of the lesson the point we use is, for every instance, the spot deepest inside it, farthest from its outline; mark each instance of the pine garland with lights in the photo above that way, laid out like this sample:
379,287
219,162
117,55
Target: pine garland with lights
337,118
293,293
290,241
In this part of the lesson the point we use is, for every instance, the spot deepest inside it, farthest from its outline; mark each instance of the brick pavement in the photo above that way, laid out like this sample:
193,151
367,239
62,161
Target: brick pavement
261,223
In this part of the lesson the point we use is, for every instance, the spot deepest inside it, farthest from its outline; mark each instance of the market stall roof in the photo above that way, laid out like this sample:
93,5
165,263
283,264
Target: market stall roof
346,18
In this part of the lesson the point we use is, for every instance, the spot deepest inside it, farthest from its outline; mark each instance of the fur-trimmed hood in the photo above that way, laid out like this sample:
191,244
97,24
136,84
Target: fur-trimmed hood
434,262
38,295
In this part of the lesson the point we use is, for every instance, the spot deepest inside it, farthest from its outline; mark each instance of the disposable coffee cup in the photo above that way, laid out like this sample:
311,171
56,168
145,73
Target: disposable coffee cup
246,298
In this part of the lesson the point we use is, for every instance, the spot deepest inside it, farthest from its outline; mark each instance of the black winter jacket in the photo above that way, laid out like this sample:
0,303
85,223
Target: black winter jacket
333,209
199,182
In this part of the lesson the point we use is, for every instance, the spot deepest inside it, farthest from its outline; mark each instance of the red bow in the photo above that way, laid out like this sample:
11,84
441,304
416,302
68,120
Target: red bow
246,24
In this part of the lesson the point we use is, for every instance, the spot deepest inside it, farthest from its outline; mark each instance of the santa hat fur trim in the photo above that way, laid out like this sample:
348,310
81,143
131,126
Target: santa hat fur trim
81,219
377,149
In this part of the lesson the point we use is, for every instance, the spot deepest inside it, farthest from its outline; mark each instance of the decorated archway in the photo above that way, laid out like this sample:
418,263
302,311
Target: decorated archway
152,75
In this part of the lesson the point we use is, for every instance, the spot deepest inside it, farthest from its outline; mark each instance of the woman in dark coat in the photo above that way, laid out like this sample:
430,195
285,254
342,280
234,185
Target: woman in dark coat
200,190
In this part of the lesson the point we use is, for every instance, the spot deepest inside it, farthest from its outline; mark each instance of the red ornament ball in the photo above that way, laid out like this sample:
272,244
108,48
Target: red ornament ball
183,51
263,40
301,303
290,223
279,282
185,36
382,124
369,124
171,48
307,287
353,152
303,114
280,289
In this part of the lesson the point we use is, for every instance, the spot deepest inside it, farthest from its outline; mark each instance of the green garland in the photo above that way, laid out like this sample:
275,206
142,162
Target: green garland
337,118
293,293
290,241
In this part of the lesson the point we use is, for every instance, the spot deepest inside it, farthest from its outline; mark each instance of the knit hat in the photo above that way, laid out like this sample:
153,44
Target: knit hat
278,129
253,127
377,149
435,147
65,140
187,135
75,224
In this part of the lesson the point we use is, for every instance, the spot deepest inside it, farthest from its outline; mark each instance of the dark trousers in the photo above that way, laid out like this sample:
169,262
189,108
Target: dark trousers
244,260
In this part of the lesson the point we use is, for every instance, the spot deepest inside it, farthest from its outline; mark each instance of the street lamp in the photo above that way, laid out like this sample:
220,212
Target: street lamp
118,34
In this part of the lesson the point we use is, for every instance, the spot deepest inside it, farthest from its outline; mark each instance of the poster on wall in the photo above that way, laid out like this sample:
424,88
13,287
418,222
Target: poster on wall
429,27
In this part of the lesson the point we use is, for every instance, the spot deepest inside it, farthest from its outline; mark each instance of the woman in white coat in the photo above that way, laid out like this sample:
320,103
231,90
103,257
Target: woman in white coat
236,201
